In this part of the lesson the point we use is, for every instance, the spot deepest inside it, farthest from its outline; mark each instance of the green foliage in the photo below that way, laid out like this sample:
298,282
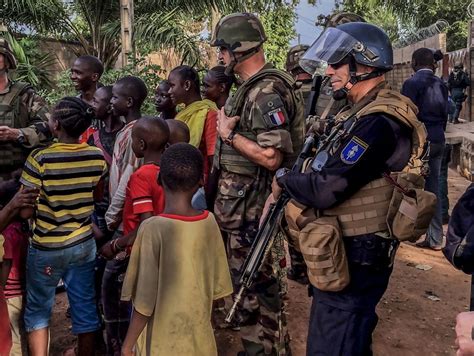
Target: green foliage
62,87
151,74
95,24
417,14
457,35
32,66
279,24
382,15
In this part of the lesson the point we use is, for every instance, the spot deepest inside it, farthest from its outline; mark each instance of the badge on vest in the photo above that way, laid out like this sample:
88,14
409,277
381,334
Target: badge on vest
353,151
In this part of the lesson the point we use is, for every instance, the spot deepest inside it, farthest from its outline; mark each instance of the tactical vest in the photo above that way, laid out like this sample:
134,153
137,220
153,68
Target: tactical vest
12,154
366,211
232,161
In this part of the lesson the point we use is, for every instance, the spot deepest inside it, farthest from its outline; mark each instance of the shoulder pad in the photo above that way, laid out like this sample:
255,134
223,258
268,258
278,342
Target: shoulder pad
16,89
20,87
403,110
279,74
392,103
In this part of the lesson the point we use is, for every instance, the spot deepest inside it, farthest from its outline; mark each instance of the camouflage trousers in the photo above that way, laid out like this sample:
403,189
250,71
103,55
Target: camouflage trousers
262,314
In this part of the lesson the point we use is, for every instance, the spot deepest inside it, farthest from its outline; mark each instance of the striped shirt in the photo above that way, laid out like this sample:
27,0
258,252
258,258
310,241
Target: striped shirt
124,163
66,175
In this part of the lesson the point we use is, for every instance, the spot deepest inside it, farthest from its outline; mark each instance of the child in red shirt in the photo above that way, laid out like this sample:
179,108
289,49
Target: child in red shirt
13,249
14,262
144,196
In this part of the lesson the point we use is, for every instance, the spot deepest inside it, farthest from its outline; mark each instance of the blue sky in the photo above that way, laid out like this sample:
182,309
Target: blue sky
307,15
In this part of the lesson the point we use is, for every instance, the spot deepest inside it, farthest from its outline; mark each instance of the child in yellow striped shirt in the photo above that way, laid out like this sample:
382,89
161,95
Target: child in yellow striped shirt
66,174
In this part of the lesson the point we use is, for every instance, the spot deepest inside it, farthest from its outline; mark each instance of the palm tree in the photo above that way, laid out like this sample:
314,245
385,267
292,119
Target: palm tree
95,24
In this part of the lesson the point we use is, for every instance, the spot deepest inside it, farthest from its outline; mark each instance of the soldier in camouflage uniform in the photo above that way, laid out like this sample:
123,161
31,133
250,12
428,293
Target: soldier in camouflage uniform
260,129
23,118
293,67
298,271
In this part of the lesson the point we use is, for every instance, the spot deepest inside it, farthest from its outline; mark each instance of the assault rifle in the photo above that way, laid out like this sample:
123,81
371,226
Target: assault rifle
316,86
267,231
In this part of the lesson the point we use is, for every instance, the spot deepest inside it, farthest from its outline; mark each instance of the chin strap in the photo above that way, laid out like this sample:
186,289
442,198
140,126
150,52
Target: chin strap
229,70
354,79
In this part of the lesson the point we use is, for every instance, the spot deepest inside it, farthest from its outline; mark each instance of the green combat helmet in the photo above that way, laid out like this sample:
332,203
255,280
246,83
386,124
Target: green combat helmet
241,33
7,52
293,57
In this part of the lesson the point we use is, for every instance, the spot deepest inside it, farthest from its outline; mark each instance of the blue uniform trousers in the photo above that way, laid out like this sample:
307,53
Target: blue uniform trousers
342,323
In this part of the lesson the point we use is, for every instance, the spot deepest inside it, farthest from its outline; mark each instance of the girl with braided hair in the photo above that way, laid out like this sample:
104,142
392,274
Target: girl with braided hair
216,85
67,174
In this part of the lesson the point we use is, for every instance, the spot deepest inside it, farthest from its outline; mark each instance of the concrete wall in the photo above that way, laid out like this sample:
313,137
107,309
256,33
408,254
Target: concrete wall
63,51
402,59
66,52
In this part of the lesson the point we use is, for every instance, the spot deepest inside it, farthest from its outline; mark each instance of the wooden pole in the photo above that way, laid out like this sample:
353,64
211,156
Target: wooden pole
469,106
215,17
126,29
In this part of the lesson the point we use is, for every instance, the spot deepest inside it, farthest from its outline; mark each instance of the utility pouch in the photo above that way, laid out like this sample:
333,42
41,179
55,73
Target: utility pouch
324,253
320,241
230,208
411,208
297,216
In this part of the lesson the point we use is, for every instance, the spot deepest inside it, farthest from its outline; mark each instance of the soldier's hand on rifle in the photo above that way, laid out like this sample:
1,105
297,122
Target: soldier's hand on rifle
276,189
276,184
225,124
464,342
9,133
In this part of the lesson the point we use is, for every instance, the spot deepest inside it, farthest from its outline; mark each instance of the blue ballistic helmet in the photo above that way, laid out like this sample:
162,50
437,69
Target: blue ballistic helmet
366,43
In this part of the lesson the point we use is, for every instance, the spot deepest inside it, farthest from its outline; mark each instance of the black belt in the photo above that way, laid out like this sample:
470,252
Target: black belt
371,250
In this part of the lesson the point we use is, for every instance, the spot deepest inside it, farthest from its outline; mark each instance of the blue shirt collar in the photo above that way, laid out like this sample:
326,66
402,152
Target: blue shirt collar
425,70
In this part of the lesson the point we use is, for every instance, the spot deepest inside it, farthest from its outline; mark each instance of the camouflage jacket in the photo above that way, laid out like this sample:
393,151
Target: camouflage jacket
272,116
22,108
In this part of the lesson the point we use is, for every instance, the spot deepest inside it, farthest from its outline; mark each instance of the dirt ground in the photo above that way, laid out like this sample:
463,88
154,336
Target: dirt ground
410,322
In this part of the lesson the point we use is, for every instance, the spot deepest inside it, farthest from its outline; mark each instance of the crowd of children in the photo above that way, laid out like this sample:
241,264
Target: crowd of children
114,208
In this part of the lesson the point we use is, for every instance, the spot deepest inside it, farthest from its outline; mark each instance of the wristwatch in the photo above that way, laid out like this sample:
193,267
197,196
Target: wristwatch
280,174
230,138
21,139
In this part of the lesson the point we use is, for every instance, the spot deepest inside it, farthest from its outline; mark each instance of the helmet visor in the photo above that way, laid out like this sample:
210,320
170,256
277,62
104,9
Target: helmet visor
331,47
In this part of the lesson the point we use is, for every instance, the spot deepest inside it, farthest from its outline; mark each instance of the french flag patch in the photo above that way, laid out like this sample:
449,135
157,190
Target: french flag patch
277,117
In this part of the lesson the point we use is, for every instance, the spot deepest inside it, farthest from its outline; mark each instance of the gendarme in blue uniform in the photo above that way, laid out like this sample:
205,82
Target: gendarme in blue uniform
342,322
